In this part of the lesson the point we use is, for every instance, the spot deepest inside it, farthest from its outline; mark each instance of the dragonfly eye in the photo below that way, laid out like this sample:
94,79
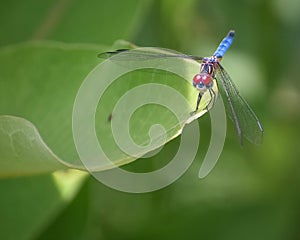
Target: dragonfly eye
197,79
201,80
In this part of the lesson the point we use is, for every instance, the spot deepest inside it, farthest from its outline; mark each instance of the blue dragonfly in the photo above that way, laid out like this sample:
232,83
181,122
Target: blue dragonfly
246,122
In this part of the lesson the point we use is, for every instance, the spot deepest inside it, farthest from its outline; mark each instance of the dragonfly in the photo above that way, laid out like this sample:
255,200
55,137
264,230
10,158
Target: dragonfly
246,122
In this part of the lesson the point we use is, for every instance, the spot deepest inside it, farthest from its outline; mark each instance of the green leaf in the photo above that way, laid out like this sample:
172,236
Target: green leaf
22,150
39,83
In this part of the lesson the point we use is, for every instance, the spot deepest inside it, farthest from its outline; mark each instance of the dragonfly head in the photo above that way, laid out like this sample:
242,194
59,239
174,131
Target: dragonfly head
202,81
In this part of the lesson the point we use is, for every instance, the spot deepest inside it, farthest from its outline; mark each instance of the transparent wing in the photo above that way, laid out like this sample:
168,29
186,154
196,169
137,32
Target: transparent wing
142,54
246,122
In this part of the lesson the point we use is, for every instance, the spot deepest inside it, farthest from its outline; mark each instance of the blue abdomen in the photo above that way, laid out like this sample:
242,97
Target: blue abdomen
224,45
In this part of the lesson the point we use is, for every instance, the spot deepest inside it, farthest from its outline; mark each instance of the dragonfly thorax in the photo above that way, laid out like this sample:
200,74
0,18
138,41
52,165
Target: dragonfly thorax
207,67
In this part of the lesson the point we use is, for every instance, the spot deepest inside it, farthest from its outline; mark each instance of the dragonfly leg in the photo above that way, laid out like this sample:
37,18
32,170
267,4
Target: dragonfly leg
198,102
212,100
213,94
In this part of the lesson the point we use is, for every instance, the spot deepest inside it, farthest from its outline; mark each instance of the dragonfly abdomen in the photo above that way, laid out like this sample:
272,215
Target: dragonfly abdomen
224,45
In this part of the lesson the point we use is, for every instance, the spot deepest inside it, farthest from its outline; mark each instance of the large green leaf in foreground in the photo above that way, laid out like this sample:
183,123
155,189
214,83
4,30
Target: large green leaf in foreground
38,87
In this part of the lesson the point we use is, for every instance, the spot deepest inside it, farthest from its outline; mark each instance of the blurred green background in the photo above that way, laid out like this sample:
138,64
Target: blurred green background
253,192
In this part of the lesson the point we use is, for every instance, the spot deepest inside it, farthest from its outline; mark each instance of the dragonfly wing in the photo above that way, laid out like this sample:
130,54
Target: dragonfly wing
142,54
246,122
